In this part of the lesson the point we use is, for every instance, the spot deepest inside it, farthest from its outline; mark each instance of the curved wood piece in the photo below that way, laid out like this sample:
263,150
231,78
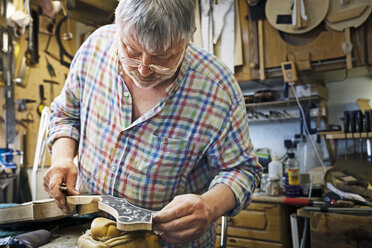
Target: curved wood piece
353,14
128,217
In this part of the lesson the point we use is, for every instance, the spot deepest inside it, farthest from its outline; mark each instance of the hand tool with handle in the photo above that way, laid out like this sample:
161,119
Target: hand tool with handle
360,130
50,68
367,116
42,98
353,130
346,130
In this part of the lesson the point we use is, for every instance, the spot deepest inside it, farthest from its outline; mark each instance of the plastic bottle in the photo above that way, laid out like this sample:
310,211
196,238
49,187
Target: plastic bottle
292,176
275,168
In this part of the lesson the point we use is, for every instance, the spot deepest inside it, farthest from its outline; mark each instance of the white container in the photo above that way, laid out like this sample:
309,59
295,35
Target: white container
275,168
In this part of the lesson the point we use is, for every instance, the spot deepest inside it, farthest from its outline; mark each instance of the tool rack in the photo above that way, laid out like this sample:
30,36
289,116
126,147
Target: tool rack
331,137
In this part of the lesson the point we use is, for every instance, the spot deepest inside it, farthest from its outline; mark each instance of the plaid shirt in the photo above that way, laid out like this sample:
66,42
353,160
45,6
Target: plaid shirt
194,138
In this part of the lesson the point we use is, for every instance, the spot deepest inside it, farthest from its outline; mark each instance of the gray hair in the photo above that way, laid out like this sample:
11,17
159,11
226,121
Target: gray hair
157,24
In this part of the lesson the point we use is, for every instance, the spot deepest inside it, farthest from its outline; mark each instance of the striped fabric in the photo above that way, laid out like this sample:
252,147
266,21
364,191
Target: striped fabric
194,138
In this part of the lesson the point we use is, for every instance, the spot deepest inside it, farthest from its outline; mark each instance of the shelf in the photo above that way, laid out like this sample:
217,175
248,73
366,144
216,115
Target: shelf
341,135
273,119
282,102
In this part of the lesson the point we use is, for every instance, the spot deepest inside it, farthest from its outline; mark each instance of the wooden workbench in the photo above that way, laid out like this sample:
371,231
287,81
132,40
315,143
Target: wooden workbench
66,234
334,230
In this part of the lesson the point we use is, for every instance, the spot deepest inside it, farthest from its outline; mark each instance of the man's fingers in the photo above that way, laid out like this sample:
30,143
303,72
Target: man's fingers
71,184
55,192
184,223
174,212
180,237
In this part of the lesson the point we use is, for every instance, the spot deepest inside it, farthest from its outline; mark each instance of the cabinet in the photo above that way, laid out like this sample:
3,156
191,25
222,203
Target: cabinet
333,230
264,225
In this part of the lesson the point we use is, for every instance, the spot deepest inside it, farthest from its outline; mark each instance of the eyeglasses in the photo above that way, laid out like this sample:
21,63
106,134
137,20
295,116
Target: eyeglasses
155,68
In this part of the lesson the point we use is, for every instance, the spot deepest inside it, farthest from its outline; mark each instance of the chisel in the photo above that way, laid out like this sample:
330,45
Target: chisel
346,130
353,129
360,130
367,116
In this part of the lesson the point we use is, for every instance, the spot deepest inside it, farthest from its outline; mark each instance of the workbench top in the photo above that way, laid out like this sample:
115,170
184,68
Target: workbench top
261,197
65,232
67,237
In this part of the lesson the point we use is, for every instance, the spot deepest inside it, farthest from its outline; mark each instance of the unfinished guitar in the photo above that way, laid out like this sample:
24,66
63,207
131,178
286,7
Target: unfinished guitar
128,217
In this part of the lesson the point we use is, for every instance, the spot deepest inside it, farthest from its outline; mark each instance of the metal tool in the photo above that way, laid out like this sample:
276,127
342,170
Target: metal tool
367,116
224,221
7,59
63,187
21,104
353,130
50,68
32,53
360,130
346,130
51,83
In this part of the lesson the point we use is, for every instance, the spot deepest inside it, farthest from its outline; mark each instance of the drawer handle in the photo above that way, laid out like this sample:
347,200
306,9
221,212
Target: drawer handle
232,241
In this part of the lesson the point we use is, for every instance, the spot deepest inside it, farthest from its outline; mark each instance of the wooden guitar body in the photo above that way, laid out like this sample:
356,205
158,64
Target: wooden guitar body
128,217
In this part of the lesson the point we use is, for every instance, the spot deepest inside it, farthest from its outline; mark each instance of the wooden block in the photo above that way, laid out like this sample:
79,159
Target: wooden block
261,50
37,210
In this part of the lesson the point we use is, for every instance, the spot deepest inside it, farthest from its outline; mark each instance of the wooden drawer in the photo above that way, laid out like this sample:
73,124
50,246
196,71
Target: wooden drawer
260,221
248,243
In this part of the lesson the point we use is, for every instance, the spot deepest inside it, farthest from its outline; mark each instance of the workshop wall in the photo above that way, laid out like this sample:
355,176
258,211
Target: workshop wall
35,75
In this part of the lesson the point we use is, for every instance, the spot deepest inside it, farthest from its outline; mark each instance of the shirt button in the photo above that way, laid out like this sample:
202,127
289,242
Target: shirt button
113,168
126,93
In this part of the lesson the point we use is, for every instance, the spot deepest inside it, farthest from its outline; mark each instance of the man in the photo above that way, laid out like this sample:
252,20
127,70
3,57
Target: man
156,120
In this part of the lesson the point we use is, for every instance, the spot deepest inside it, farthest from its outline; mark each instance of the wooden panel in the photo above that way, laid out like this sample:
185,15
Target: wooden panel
107,5
249,40
338,230
260,221
369,42
241,242
328,45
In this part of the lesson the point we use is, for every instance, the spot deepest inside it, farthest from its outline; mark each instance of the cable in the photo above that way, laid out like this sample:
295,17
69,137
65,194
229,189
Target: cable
307,130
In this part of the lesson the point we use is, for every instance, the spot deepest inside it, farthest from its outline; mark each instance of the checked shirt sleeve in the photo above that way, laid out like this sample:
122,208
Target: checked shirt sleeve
233,153
65,118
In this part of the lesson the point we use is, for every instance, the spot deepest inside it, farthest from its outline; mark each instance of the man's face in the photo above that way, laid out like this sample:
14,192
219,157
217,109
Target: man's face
148,69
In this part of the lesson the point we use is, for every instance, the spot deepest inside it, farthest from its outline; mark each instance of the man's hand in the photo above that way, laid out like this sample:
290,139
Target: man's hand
184,219
61,171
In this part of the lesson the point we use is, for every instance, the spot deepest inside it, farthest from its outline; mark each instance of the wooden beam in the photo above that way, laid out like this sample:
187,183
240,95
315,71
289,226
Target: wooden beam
106,6
93,12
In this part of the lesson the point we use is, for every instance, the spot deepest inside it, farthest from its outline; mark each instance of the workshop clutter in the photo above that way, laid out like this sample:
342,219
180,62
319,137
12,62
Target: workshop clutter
291,175
9,175
308,90
357,128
